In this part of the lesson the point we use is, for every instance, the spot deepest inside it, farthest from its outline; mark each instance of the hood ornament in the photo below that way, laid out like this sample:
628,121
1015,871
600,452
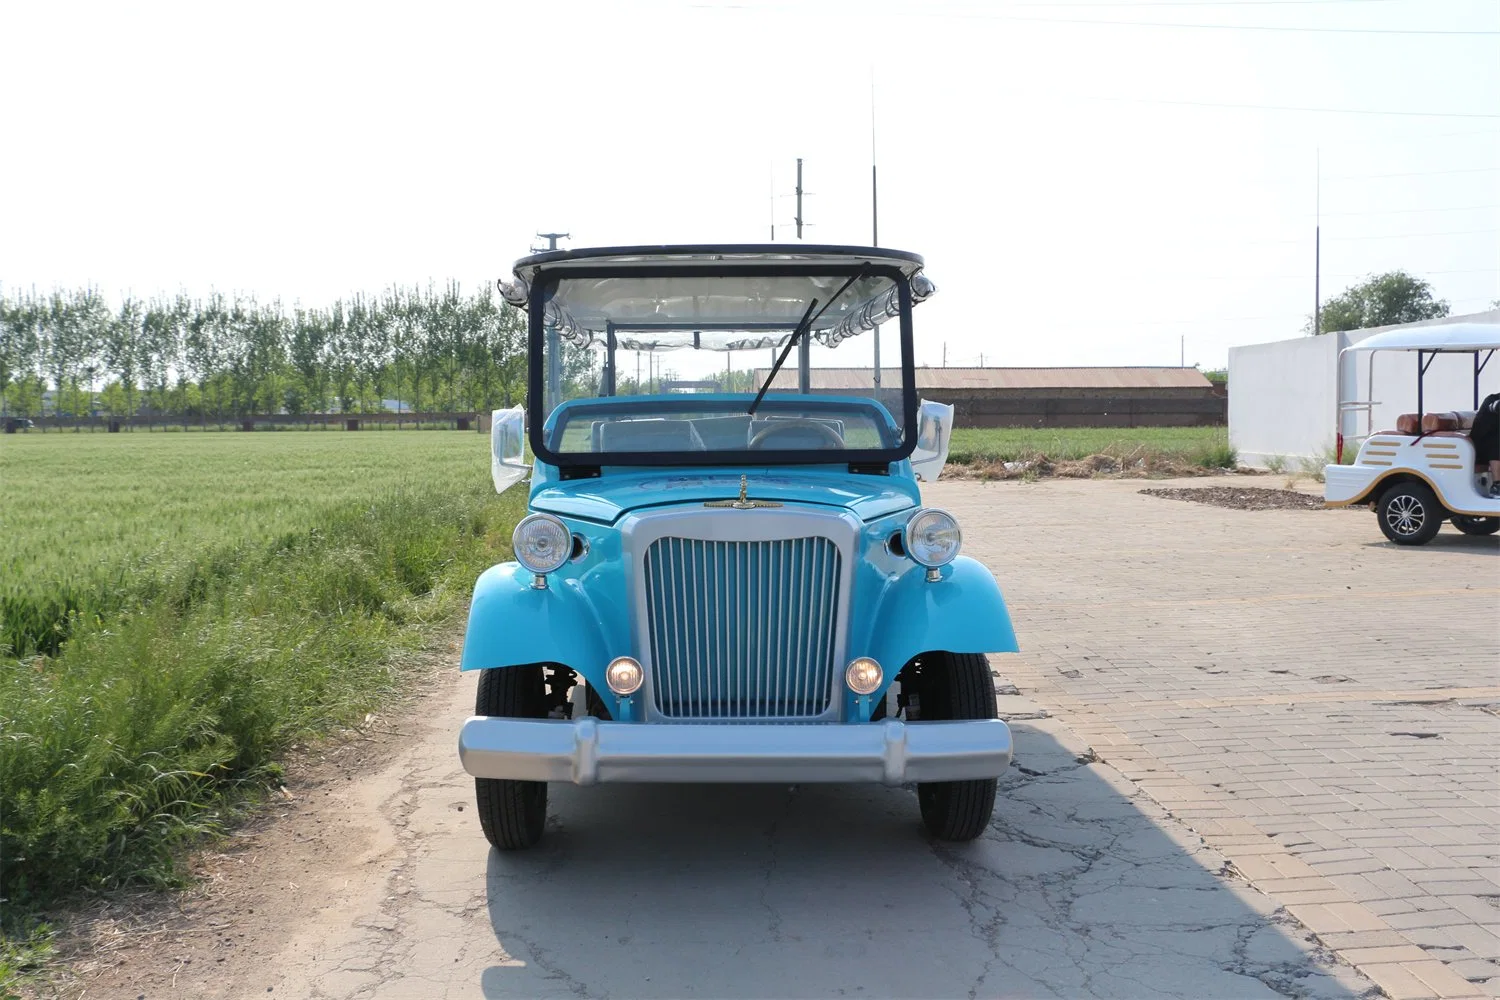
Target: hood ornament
744,502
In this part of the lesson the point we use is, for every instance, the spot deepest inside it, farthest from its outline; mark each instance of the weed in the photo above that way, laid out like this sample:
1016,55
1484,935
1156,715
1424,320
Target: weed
189,607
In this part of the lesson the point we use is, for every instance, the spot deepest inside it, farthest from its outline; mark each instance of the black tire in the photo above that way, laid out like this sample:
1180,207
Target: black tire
1409,513
1476,525
956,686
511,813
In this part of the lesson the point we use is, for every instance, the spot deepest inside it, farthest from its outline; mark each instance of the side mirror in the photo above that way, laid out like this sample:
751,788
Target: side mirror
934,429
508,447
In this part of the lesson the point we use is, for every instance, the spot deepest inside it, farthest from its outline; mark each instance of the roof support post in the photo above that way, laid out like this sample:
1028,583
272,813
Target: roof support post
804,365
607,384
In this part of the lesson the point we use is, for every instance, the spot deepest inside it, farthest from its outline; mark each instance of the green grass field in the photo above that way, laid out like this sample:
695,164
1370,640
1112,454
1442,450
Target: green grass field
179,608
1205,447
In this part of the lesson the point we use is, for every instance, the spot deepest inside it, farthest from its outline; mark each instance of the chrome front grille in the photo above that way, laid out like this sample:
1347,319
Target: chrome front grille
742,630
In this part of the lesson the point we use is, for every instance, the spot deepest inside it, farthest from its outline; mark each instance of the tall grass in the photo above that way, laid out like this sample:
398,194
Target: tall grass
1205,447
199,647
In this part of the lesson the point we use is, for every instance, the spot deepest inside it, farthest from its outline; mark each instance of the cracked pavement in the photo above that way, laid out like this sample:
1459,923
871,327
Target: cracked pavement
1082,887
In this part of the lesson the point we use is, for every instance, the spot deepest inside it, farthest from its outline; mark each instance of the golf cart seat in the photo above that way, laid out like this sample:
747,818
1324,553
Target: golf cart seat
649,435
1412,424
1453,420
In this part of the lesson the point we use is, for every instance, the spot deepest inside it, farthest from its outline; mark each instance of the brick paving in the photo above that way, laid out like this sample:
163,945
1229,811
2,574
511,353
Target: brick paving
1315,703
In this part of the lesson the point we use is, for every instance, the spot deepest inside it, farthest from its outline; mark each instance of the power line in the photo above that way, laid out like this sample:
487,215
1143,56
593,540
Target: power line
1403,236
1412,173
1290,107
1417,211
1028,19
1193,3
1204,27
1381,236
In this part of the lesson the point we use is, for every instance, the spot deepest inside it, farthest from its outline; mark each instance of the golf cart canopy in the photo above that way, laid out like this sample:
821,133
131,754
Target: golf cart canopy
1455,338
1477,339
616,334
656,298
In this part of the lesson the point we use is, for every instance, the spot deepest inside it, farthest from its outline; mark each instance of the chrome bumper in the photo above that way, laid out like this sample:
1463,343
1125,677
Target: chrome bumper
588,751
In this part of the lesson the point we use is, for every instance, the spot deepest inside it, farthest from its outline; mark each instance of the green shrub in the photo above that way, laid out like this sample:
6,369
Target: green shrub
164,708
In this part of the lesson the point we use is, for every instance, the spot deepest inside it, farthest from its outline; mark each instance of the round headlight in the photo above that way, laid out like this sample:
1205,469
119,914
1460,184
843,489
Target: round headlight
623,675
932,538
542,543
863,675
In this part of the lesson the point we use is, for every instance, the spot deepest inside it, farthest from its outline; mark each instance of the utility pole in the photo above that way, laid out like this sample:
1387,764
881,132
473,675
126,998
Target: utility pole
804,349
554,342
799,197
1182,349
874,216
1317,327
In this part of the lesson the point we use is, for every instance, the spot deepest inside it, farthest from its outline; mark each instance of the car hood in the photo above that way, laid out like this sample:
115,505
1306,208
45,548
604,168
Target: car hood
613,494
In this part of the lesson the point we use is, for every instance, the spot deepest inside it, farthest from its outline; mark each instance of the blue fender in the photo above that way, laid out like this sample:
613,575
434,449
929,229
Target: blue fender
963,612
511,623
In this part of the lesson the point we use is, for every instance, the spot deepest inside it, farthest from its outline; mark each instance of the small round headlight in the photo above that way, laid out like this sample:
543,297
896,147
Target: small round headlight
932,538
542,543
623,675
863,675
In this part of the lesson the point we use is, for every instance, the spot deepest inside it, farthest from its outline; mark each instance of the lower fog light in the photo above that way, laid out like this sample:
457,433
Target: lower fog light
863,675
623,675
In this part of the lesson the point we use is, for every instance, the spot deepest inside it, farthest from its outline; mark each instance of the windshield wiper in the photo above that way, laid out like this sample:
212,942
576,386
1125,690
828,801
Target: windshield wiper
808,319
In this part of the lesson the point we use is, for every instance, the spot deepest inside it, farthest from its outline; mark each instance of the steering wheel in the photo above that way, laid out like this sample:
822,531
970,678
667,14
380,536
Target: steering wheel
830,437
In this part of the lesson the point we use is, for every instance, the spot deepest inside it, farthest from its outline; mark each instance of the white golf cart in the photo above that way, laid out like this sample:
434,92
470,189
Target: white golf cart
1422,473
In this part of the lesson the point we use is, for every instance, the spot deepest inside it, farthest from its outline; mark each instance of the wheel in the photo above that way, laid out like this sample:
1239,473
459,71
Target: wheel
511,813
955,686
1409,514
1476,525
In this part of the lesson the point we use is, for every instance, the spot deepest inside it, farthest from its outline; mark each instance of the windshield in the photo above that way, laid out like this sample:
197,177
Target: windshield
666,367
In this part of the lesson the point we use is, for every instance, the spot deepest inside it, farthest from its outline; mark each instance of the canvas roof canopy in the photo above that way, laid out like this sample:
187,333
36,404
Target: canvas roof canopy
716,298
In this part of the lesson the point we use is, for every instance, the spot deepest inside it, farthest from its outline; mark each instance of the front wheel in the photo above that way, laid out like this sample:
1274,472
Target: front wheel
511,813
955,686
1409,513
1476,525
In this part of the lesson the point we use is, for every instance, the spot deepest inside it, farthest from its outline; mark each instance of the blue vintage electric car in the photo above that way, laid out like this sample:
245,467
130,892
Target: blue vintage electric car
729,586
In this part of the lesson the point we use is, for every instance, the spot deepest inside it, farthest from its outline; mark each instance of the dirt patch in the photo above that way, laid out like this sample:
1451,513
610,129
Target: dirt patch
1092,467
1242,497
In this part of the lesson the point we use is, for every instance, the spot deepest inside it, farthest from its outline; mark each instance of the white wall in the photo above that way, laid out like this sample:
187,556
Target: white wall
1282,395
1281,399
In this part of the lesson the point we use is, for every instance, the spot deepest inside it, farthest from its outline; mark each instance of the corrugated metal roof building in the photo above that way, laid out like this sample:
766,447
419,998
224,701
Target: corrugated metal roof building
1041,397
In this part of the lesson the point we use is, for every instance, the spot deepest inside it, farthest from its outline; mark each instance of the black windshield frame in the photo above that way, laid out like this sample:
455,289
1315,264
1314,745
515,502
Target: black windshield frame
544,285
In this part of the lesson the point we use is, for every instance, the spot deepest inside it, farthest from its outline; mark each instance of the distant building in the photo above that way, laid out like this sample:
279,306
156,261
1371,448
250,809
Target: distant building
1040,397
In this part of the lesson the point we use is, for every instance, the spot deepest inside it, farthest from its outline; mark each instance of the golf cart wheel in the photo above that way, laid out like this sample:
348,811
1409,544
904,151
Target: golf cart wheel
956,686
1476,525
511,813
1409,513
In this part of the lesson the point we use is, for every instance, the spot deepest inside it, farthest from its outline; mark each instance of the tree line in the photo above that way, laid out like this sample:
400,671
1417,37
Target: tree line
228,357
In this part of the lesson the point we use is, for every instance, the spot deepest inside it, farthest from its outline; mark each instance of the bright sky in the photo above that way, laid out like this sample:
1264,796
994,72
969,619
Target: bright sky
1088,181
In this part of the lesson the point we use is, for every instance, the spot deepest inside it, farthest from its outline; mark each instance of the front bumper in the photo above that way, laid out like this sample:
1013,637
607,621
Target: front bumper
589,751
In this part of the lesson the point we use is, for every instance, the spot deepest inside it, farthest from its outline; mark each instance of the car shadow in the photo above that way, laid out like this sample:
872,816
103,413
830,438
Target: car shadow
1449,541
1081,887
